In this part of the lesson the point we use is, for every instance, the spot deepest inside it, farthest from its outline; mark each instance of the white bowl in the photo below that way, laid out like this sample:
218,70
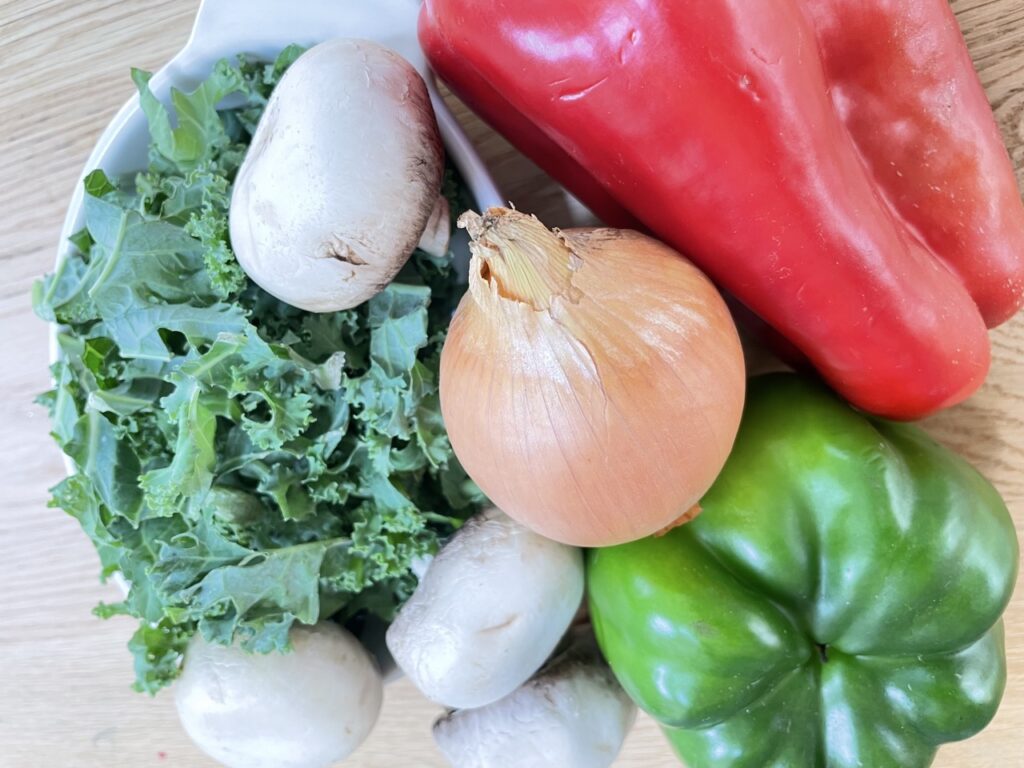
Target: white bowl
261,29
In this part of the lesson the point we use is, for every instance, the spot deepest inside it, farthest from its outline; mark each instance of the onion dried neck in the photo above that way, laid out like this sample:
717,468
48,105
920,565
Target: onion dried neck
525,260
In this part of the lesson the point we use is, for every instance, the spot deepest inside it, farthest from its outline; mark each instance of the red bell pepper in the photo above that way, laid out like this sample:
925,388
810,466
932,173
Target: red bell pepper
833,164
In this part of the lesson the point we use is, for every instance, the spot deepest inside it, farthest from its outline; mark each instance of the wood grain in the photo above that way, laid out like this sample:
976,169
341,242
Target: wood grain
64,675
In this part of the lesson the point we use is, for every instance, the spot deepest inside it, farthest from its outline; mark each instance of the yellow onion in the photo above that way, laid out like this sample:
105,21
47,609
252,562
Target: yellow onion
592,380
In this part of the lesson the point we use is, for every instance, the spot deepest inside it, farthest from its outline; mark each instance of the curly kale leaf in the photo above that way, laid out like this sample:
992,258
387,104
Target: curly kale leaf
242,463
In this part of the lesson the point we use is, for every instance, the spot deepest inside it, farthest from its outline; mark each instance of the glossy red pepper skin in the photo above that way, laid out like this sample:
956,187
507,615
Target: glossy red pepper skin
874,224
914,106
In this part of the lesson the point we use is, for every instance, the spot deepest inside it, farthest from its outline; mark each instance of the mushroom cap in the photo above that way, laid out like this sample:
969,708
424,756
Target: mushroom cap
341,177
488,612
307,708
575,716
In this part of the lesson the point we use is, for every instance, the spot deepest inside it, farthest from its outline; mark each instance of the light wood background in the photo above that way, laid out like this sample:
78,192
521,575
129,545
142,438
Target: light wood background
65,700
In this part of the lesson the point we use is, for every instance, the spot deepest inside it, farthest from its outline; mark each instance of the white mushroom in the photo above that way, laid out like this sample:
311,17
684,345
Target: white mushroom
489,611
573,714
307,708
341,179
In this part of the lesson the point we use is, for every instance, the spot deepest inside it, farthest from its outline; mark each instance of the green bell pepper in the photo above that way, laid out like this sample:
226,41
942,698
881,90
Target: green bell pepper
836,604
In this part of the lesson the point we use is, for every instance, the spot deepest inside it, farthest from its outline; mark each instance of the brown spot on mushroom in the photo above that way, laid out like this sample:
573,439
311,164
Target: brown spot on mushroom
336,248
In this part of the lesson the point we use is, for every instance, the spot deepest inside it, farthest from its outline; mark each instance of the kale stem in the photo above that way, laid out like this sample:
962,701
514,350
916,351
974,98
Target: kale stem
113,257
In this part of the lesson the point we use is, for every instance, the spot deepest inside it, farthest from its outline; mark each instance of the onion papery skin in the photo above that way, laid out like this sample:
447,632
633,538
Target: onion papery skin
592,380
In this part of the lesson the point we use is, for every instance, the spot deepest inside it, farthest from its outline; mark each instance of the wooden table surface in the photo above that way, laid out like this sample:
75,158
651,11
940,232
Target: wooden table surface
65,700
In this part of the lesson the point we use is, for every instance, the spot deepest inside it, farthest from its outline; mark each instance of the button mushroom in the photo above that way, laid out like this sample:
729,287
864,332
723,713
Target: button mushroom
341,180
307,708
488,612
573,714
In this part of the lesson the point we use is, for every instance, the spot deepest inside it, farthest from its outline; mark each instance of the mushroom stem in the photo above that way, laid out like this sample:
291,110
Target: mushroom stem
437,234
